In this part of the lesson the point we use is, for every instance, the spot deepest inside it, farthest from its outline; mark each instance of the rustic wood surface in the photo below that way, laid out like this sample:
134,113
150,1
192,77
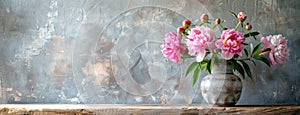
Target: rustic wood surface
120,109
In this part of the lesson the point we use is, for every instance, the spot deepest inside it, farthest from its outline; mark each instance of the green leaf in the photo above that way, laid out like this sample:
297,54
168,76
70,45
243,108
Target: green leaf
245,44
257,49
207,53
191,68
247,69
233,65
196,75
253,62
254,37
246,52
235,56
212,63
263,59
265,51
247,35
251,48
214,26
233,14
208,67
254,33
203,65
251,34
240,69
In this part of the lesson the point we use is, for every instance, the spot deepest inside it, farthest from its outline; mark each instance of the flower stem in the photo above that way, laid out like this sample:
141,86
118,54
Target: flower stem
246,31
221,26
236,27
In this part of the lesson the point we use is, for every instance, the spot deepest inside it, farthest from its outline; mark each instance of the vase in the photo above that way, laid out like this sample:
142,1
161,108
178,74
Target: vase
221,87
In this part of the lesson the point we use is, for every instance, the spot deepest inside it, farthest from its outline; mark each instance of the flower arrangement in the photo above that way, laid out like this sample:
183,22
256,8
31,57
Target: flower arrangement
200,42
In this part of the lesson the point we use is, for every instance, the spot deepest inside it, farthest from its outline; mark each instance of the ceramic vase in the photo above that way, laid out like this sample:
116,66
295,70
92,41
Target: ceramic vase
221,87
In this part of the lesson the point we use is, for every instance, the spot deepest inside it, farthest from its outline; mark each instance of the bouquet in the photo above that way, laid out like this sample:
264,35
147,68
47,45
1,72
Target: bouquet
200,42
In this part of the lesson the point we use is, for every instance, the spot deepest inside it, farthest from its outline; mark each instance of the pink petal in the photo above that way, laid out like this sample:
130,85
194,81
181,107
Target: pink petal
272,60
279,59
200,55
227,55
240,53
265,42
211,46
219,43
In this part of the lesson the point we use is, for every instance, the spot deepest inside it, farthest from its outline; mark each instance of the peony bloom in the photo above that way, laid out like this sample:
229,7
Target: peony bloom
173,47
279,50
242,16
180,30
204,18
200,39
186,23
248,26
231,43
218,21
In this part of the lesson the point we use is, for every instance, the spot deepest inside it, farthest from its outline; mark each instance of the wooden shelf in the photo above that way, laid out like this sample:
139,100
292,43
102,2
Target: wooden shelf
122,109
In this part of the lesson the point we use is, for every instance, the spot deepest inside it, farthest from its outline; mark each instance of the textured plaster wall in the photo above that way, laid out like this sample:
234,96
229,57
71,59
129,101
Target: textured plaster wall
107,51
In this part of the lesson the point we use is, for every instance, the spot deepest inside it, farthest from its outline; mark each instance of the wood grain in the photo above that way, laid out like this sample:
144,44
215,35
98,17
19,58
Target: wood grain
120,109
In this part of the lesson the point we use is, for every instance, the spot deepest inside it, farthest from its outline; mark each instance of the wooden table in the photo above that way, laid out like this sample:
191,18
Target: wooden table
121,109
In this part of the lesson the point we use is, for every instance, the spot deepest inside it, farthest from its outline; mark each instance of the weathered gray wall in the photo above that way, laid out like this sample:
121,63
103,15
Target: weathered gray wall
93,51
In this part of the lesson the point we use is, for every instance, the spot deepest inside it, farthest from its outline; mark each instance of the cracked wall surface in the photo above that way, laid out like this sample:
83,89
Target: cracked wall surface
103,51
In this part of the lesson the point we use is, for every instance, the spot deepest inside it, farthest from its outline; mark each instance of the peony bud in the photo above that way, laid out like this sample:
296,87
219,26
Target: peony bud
218,21
204,18
242,16
248,26
180,30
186,23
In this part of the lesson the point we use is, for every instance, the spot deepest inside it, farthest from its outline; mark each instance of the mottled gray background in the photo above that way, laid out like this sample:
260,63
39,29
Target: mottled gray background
107,51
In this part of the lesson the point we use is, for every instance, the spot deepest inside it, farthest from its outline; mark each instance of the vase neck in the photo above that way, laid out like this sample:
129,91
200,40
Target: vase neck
222,67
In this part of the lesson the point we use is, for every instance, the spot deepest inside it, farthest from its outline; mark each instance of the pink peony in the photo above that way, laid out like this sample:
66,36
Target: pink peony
173,47
200,39
231,43
279,50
